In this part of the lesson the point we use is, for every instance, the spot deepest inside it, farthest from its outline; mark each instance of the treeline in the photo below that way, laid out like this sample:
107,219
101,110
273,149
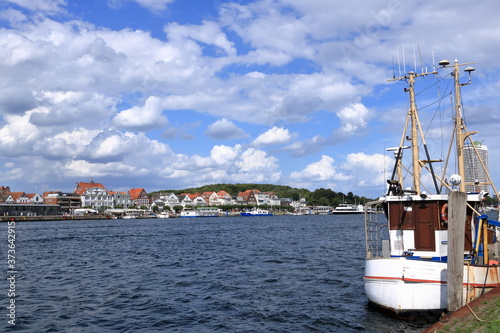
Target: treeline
318,197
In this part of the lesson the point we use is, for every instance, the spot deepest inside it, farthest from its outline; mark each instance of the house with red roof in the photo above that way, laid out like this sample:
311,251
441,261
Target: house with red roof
139,197
34,198
225,198
185,200
248,197
19,198
94,195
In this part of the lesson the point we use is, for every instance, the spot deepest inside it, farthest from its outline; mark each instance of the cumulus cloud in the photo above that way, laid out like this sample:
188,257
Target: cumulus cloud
274,136
18,136
16,100
307,146
224,164
224,129
323,170
69,107
142,118
367,170
253,160
208,33
223,155
353,117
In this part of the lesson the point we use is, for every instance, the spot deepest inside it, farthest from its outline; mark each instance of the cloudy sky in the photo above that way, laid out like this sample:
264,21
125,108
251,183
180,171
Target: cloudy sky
169,94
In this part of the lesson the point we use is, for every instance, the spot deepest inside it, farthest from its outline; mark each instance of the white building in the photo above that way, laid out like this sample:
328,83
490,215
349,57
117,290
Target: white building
94,195
475,175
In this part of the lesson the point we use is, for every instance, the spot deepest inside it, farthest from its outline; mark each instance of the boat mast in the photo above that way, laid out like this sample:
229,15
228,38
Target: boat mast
460,130
415,124
414,134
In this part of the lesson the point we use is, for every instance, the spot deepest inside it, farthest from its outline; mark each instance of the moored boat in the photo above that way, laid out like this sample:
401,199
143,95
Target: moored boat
407,251
189,213
256,212
163,215
348,209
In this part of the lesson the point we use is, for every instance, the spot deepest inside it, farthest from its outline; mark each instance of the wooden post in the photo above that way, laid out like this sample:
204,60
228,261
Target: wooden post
457,214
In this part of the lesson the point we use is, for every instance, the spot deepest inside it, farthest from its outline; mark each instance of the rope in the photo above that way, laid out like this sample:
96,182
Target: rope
475,314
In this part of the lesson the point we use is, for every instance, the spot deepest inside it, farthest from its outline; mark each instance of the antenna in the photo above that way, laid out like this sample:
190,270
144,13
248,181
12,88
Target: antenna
414,59
404,60
399,64
420,55
433,62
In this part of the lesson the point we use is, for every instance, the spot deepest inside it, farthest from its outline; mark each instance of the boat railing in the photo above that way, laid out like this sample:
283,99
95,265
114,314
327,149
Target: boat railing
376,233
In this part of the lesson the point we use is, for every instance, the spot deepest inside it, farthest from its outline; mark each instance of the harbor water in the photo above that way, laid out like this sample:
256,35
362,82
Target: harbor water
225,274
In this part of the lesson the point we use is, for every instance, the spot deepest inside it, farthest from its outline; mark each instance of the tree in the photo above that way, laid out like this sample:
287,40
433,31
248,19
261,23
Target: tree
178,208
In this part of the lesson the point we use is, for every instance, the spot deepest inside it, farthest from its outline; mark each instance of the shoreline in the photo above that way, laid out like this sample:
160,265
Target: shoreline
53,218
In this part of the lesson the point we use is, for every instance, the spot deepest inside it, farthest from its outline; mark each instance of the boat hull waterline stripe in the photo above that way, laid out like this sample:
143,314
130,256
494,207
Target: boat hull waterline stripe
388,278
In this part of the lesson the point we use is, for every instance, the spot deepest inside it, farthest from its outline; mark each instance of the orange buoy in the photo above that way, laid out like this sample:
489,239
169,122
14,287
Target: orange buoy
444,212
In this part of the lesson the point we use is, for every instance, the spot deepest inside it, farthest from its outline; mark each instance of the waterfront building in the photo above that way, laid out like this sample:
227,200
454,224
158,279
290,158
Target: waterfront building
139,197
122,199
68,201
225,198
248,197
94,195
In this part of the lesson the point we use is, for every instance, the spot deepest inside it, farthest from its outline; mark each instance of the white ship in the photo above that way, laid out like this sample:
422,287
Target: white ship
348,209
406,268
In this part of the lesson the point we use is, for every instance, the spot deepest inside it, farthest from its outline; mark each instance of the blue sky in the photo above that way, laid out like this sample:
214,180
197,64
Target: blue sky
170,94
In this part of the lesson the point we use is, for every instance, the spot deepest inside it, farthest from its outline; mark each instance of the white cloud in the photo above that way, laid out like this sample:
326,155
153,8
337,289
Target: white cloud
154,5
18,135
49,6
148,117
368,170
354,117
323,170
224,155
274,136
253,160
224,129
208,33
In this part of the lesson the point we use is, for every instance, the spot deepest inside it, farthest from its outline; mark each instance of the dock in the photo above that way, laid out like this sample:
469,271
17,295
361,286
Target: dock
53,218
480,315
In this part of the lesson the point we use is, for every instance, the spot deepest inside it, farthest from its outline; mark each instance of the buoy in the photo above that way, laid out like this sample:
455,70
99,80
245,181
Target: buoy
444,212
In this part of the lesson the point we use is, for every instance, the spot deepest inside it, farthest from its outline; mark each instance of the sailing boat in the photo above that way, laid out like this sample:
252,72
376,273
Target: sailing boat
407,251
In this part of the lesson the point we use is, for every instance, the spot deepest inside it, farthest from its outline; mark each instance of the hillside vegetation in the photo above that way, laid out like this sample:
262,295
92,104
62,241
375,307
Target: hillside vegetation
319,197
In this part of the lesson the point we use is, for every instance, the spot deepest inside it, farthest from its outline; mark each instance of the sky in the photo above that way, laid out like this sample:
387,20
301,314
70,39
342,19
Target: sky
172,94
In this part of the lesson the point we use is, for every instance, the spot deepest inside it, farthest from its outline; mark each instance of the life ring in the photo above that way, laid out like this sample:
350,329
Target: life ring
444,212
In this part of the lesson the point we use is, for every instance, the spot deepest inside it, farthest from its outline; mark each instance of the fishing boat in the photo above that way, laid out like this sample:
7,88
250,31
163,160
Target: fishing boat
406,266
256,212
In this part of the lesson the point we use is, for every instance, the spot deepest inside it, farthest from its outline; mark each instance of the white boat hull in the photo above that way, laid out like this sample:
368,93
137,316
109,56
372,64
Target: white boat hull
402,285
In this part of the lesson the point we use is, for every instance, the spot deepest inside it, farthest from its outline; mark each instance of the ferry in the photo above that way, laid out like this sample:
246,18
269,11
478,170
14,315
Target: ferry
348,209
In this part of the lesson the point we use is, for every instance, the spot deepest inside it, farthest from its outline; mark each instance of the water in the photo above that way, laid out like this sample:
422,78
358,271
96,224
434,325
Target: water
227,274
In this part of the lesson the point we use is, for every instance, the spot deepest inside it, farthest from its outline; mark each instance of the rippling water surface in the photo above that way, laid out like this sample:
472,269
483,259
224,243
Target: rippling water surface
227,274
